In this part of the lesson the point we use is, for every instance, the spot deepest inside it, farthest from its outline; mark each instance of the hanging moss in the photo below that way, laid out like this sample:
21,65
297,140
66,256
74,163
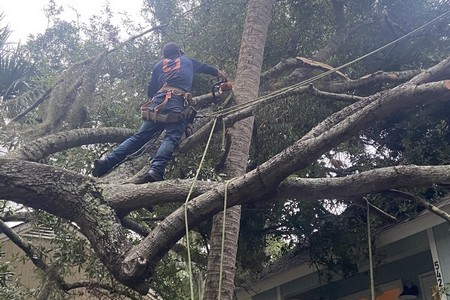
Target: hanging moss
66,107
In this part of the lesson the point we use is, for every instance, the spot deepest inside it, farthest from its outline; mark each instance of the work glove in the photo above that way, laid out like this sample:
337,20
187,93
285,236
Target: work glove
222,75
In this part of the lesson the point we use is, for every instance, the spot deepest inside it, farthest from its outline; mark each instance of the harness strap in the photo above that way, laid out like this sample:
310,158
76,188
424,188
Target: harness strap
188,115
166,99
169,90
161,118
189,112
174,90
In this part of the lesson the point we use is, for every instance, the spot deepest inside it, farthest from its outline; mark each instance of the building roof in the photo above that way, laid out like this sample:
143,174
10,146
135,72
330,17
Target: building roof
297,263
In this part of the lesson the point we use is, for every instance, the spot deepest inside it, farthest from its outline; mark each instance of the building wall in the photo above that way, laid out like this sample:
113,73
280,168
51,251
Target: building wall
405,254
22,268
397,258
26,270
405,269
267,295
442,240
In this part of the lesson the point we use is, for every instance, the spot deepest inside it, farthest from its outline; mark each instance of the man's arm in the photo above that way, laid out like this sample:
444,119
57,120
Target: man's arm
207,69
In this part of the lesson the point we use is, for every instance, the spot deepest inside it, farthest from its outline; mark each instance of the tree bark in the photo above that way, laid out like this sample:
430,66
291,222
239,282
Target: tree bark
73,197
45,146
221,284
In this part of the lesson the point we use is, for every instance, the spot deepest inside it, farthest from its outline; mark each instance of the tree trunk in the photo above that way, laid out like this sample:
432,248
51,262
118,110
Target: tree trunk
246,88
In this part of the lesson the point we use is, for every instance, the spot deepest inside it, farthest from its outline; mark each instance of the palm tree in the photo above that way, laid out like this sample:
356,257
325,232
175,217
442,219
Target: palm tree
246,88
15,69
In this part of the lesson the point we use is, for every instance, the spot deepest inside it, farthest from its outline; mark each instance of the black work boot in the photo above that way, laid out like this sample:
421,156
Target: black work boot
152,176
101,167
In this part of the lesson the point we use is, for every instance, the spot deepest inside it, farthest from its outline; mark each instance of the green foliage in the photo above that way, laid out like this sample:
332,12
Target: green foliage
171,280
10,287
423,49
210,31
15,67
298,28
420,138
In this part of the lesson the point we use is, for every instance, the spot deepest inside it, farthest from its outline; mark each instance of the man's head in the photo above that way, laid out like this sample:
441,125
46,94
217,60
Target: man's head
171,50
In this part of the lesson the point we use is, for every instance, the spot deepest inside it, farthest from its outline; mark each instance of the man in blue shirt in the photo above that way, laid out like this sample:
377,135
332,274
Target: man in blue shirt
169,89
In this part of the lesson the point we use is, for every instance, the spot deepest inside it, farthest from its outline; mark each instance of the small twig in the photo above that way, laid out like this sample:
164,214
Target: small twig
380,211
134,37
26,247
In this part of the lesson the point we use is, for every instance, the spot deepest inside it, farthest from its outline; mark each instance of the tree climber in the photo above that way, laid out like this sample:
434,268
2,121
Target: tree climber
169,93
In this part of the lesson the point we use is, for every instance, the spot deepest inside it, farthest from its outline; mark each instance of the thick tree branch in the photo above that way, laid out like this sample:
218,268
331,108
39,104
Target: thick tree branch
369,182
43,147
256,183
132,197
51,144
377,78
308,188
76,198
441,71
136,227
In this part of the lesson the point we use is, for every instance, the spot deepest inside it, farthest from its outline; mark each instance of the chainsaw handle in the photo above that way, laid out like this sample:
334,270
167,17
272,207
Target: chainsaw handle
215,88
220,85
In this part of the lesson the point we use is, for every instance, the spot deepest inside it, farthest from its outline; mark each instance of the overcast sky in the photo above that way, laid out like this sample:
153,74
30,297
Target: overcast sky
26,17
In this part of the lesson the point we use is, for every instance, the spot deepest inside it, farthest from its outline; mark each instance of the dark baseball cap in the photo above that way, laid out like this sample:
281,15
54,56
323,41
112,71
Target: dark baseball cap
171,49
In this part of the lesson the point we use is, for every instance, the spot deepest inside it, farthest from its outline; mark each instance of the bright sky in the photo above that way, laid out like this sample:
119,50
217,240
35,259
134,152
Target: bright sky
26,17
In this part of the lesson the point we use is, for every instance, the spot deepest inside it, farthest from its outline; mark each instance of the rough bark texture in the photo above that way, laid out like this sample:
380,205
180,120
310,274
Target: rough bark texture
43,147
132,197
246,88
75,198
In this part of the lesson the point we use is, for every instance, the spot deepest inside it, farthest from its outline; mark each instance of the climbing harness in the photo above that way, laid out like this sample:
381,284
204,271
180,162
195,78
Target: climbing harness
188,114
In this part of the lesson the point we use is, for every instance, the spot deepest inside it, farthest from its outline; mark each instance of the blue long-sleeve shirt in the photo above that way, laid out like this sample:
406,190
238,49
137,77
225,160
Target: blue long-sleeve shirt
175,72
